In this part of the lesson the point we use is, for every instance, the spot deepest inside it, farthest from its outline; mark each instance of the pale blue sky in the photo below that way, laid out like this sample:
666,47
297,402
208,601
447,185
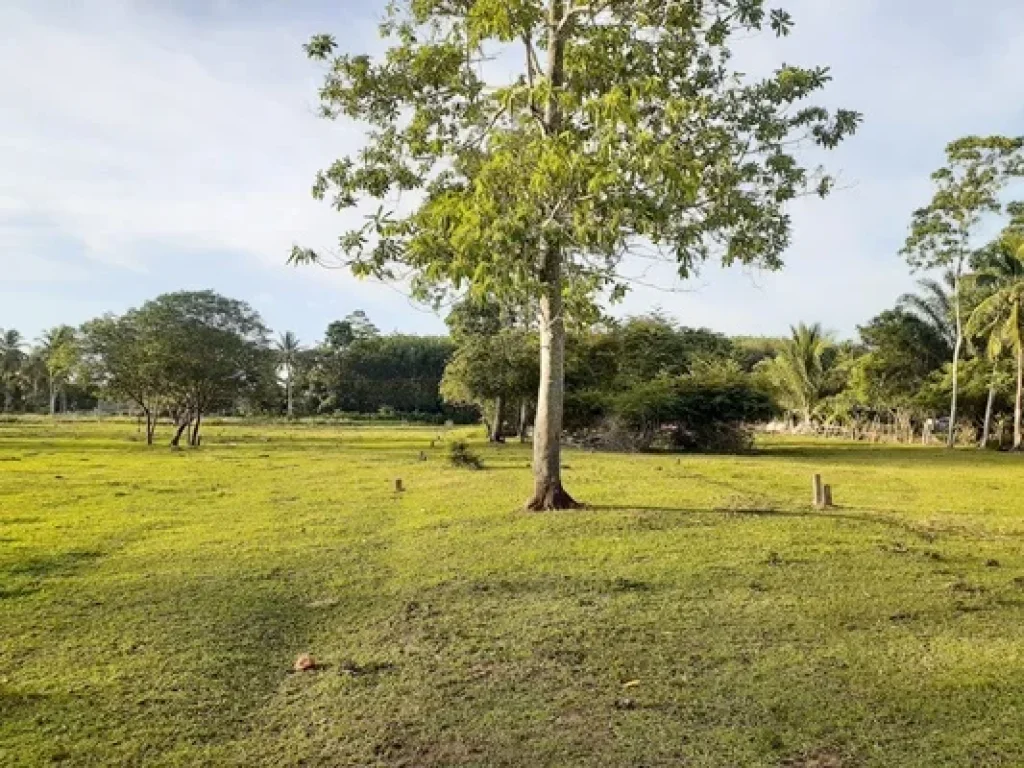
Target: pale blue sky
156,146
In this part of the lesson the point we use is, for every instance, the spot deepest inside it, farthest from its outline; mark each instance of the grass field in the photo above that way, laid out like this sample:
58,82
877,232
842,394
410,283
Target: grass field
698,613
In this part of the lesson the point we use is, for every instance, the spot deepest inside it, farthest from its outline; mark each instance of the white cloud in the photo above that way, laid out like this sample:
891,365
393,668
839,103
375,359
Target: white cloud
121,141
134,128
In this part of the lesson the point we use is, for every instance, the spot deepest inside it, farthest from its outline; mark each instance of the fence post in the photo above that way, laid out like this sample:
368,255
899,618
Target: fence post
817,491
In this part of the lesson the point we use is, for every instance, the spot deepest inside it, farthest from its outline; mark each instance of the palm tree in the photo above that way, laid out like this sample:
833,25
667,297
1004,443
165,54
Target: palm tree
288,349
800,370
996,266
933,305
12,358
1000,318
938,304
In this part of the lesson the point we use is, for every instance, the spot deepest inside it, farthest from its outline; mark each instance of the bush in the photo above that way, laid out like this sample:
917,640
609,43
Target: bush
459,455
710,409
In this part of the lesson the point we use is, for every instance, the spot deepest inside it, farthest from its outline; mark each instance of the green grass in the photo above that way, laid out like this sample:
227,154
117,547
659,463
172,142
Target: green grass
698,613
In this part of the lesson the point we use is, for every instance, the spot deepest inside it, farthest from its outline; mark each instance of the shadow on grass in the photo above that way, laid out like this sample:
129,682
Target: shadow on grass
58,564
27,576
886,519
21,704
337,445
879,455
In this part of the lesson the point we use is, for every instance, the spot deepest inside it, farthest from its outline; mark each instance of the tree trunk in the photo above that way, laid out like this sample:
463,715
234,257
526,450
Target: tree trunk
987,428
951,436
548,492
288,386
194,437
524,419
53,396
176,440
499,419
150,426
1017,403
547,434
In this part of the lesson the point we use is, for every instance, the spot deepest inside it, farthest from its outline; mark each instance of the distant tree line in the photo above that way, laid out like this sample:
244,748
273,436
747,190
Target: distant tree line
635,384
184,356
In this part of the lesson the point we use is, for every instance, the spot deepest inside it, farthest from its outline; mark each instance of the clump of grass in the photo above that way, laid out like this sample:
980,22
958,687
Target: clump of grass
459,455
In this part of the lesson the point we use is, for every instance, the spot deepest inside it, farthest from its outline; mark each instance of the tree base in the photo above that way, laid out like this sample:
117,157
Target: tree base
552,498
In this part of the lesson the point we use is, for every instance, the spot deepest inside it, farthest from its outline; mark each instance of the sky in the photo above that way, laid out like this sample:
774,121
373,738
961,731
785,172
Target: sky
163,145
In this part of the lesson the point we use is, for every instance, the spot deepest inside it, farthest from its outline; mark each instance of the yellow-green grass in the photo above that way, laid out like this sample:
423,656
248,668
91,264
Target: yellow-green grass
698,613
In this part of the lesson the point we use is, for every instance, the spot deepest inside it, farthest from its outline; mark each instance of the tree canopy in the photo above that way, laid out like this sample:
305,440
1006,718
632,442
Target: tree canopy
623,127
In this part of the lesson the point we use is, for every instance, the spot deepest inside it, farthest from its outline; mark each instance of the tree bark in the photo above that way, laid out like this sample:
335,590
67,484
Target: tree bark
987,427
288,386
53,397
1017,403
499,419
150,426
176,440
951,436
524,419
194,437
548,492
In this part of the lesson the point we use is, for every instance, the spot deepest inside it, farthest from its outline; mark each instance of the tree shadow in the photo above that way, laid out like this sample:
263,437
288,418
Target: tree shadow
874,454
57,564
866,517
27,576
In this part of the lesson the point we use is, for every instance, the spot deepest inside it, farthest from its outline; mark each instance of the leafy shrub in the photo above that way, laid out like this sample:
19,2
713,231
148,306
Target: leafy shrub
459,455
711,408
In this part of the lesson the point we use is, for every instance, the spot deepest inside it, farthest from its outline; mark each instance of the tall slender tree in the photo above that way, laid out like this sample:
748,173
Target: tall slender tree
57,348
623,127
288,349
966,189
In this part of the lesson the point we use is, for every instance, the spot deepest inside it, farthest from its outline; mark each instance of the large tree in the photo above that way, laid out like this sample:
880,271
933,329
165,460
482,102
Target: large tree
12,359
124,356
966,189
208,351
622,127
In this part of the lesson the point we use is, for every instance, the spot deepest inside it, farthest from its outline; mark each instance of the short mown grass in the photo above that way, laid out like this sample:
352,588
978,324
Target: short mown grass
697,613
